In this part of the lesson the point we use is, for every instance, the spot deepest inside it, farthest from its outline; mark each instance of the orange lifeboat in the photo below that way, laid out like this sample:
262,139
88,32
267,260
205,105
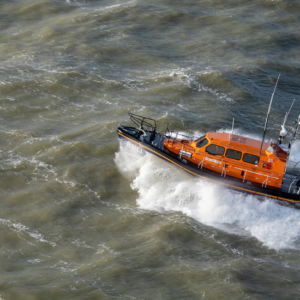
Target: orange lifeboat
233,161
233,155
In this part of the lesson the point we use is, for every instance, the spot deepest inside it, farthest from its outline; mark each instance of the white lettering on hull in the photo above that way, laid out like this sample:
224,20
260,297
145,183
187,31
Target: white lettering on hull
135,148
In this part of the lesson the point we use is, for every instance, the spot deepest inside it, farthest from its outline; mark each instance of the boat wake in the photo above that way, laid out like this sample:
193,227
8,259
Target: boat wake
162,187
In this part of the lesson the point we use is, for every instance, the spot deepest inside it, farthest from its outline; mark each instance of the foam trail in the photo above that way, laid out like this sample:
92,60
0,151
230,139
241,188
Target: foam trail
162,187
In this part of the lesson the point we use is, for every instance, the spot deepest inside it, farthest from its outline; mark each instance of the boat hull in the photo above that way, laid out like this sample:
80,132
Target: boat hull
225,181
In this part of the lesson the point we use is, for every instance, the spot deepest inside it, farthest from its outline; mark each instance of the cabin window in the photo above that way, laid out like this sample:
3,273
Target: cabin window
251,159
230,153
202,143
215,150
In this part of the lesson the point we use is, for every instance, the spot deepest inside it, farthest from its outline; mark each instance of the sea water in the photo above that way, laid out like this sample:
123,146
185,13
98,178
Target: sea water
81,217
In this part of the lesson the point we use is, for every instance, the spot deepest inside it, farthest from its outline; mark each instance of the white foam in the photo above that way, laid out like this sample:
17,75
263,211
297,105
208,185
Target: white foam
22,228
185,76
163,187
34,261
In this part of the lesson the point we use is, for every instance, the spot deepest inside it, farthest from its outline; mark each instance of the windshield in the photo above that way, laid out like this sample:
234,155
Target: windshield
200,138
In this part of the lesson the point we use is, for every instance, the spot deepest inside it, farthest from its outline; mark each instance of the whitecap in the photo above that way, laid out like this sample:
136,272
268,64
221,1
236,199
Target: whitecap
162,187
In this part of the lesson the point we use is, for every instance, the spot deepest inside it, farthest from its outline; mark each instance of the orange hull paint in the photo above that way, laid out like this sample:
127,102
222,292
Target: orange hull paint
268,171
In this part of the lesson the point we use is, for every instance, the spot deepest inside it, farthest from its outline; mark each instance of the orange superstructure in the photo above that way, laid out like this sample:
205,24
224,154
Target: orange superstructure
233,155
234,162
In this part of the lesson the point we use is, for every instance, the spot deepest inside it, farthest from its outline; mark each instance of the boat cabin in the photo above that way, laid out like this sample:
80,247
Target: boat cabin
233,155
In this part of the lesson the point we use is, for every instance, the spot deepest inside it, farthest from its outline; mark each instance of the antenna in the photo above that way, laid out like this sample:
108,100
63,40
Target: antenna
266,124
283,131
288,113
231,131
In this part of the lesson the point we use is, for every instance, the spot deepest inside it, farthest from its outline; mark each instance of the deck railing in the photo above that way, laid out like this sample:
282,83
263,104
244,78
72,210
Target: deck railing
225,164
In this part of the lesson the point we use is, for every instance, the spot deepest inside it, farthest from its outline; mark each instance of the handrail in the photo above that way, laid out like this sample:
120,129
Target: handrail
245,175
181,151
193,138
229,161
236,147
223,169
265,182
253,151
245,167
201,163
140,121
239,163
256,173
291,184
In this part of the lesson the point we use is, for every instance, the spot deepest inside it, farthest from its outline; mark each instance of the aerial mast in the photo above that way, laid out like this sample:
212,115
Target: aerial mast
230,135
283,131
266,124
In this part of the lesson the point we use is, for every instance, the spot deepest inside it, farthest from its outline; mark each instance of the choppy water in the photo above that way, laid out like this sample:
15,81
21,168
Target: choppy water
79,218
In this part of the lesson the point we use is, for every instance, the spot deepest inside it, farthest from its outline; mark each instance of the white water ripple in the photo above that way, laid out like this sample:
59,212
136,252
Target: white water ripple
161,187
17,227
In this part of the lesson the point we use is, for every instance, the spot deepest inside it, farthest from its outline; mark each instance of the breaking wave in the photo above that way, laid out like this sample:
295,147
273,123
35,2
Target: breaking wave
162,187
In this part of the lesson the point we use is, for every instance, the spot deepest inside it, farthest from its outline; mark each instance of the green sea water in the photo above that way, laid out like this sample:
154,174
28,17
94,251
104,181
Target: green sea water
81,219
